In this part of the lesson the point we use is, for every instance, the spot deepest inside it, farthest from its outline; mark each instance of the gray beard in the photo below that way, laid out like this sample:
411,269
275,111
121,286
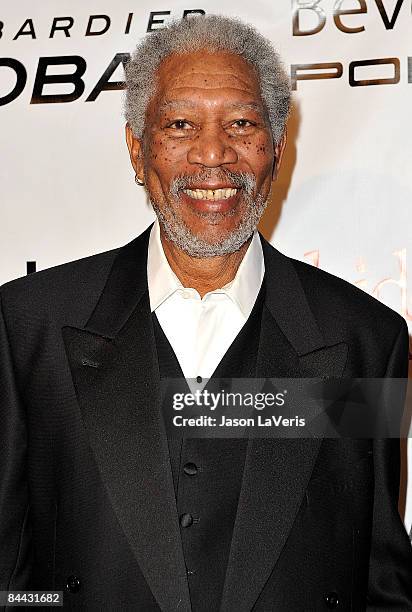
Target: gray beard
195,246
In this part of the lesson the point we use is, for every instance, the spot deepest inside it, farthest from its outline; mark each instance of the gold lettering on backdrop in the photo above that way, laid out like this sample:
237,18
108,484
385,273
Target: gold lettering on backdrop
338,13
313,256
361,268
313,12
401,282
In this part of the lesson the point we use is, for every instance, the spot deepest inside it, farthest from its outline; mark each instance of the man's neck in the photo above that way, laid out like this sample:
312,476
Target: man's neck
203,274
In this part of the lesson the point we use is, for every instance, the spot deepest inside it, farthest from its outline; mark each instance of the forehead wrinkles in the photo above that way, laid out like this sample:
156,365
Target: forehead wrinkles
191,69
211,79
185,104
193,92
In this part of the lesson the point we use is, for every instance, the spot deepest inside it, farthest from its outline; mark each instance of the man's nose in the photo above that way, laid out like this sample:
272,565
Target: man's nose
212,148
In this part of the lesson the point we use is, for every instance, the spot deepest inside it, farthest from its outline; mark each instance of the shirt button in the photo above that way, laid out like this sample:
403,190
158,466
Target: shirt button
73,584
190,468
332,600
186,295
186,520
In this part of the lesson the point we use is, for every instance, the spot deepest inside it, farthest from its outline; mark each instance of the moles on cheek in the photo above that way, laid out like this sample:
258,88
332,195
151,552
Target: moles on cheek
164,148
158,151
257,153
161,163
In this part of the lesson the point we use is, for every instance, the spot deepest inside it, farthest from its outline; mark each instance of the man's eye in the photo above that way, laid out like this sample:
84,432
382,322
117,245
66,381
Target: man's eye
242,123
179,124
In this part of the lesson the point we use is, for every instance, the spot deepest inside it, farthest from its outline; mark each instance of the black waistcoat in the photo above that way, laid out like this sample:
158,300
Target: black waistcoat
207,473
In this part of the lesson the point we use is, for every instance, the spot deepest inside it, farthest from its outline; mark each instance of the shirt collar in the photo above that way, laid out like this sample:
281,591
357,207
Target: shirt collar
161,279
242,290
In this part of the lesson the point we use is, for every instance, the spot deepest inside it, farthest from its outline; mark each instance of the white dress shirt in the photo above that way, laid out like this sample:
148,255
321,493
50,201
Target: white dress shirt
200,330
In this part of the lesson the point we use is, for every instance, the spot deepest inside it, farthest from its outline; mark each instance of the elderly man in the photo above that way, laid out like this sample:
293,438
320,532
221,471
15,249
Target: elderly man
95,500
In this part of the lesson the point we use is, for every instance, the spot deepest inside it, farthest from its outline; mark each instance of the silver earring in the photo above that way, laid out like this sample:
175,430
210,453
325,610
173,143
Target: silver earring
138,181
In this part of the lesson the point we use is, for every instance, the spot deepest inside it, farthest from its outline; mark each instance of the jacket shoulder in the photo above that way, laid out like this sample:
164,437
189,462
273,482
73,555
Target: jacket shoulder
70,286
341,307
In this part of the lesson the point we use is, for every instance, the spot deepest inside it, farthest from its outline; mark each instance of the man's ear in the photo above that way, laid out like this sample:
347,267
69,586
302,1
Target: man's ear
279,148
135,147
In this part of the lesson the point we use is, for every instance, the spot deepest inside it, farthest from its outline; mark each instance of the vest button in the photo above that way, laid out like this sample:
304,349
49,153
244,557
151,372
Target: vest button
198,379
73,584
190,468
331,600
186,520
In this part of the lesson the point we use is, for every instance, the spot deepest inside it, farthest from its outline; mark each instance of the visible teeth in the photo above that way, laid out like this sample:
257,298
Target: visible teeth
210,194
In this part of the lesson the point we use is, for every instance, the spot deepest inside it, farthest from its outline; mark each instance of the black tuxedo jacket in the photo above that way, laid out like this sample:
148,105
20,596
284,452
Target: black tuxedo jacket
87,502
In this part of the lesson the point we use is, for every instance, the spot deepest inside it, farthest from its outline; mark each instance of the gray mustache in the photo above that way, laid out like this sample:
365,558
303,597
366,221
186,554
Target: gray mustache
240,180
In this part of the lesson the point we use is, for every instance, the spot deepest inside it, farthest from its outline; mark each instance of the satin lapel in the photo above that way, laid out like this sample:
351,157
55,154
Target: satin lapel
116,378
276,471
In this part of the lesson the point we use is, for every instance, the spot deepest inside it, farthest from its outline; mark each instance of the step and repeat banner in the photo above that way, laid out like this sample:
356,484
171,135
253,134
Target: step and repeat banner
343,198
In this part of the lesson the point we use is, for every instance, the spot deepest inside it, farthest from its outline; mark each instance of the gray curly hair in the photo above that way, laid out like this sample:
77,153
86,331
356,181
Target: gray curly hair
211,33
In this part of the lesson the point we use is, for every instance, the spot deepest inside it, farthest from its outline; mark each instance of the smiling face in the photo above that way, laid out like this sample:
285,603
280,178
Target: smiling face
207,156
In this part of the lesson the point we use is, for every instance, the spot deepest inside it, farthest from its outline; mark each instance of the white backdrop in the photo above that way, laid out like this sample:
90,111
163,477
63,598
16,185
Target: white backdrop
343,198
